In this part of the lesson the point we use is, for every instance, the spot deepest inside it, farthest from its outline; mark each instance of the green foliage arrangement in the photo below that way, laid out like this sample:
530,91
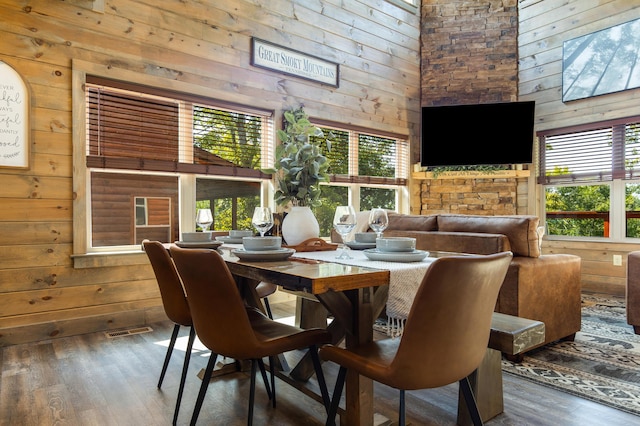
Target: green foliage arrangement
300,165
436,170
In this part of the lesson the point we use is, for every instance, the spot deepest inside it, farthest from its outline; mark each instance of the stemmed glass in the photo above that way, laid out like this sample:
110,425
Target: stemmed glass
378,221
204,219
344,221
262,219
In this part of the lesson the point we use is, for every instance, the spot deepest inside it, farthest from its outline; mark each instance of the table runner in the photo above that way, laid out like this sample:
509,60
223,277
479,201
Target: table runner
404,280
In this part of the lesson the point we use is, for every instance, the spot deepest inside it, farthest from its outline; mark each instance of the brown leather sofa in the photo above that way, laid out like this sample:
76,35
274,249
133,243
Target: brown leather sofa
546,288
633,290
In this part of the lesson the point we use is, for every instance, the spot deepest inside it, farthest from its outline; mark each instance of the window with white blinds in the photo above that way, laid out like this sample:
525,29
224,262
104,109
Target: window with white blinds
599,152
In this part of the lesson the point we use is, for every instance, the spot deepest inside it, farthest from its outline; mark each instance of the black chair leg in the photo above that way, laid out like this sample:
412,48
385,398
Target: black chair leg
167,357
401,411
267,307
272,375
320,376
470,400
203,387
185,368
252,392
335,400
267,386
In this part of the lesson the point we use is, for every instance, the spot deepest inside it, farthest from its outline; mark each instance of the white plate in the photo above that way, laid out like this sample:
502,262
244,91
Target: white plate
356,245
199,244
396,256
264,255
229,240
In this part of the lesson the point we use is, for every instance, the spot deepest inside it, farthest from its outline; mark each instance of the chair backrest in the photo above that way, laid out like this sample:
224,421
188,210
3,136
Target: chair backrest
218,311
447,330
173,297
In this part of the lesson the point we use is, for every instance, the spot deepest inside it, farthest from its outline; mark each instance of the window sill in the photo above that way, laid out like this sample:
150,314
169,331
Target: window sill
109,259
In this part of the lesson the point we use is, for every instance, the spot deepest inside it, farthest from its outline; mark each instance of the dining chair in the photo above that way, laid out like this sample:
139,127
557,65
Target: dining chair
264,290
214,299
445,336
175,306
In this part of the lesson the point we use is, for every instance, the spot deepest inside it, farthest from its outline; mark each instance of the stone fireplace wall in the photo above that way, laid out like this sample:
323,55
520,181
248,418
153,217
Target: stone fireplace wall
503,193
469,56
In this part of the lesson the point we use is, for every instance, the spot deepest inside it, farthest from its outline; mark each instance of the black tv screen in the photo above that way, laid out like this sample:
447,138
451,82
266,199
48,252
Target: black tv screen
484,134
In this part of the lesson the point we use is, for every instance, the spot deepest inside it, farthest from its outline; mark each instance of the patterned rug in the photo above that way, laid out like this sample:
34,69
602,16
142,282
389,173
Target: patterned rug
602,364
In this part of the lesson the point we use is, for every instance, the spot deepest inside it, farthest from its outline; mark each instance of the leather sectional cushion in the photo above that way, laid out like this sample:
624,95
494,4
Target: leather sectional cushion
404,222
521,229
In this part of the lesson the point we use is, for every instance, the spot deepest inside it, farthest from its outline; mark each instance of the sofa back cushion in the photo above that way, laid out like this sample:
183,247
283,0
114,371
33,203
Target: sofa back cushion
407,222
460,242
521,230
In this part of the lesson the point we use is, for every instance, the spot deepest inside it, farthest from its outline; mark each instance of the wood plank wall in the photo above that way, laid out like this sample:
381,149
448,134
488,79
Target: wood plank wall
204,45
544,26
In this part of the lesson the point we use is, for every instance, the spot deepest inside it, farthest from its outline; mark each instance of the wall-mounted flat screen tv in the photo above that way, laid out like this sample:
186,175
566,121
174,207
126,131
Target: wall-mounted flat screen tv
483,134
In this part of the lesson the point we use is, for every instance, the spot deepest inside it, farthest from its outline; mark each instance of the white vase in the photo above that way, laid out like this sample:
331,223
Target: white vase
299,225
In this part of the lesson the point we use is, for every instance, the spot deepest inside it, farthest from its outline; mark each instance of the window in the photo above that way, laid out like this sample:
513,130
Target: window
591,176
367,171
409,5
147,149
140,143
152,218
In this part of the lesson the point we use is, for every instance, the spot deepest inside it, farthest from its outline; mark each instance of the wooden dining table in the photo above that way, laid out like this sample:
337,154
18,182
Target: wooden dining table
355,296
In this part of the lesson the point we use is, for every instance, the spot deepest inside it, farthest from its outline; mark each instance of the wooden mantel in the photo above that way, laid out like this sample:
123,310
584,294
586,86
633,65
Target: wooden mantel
471,174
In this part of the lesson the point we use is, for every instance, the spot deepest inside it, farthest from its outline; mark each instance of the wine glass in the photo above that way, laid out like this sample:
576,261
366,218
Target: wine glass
204,219
344,221
378,221
262,219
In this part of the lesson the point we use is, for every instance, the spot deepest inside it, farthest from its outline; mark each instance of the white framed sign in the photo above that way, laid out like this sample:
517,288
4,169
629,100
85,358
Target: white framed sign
292,62
14,119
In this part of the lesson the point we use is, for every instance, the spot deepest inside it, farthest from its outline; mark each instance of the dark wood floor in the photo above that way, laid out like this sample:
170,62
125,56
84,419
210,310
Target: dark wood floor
94,380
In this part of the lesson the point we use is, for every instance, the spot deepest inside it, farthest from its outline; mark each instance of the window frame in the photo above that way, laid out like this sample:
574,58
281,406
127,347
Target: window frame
616,177
354,182
82,255
408,5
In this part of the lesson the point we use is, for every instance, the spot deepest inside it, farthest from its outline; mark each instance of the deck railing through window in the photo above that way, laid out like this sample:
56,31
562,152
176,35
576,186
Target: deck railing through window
578,215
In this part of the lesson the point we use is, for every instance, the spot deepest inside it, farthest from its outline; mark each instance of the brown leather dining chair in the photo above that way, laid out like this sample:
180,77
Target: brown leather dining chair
214,299
264,290
175,306
445,336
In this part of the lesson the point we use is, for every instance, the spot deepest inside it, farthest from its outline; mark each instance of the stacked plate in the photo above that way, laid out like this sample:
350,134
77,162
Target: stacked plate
262,249
396,249
198,244
363,240
357,245
197,240
235,236
263,255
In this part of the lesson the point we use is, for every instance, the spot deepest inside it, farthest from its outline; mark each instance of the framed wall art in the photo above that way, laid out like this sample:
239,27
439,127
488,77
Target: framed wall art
602,62
14,119
267,55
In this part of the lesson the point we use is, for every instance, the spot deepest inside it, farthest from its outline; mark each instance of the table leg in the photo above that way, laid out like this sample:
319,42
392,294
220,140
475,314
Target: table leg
486,383
357,322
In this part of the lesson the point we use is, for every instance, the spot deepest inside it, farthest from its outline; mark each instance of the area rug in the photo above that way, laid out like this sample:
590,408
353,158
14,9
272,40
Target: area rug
602,364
